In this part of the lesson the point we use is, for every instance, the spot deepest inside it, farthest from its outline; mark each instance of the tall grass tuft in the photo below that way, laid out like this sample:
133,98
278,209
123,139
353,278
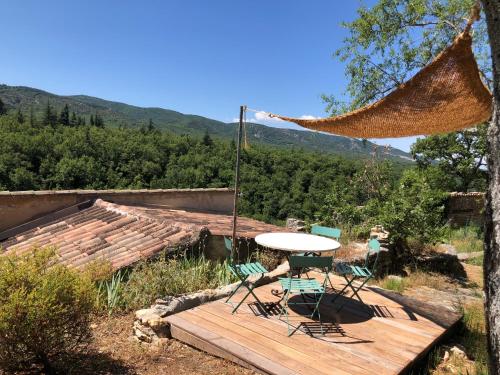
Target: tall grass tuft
150,280
110,293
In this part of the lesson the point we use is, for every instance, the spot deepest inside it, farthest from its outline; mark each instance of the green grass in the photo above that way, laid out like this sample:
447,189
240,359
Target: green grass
476,261
473,336
396,285
467,239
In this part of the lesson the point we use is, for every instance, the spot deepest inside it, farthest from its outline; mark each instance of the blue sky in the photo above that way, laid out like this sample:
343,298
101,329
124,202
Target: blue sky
193,56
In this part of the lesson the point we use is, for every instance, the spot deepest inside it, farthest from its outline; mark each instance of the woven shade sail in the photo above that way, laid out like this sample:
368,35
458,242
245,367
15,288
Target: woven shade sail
446,95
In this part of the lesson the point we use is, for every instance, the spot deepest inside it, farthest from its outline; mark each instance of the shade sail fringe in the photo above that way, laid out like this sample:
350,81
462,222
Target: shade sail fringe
446,95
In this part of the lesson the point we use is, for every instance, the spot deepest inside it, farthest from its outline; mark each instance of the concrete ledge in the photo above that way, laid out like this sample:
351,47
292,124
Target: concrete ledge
19,207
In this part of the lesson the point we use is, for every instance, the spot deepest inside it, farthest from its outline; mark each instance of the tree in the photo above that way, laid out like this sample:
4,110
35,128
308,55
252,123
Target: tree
207,141
3,109
19,116
32,117
49,116
64,116
151,126
92,121
385,46
459,156
98,121
491,262
73,121
389,42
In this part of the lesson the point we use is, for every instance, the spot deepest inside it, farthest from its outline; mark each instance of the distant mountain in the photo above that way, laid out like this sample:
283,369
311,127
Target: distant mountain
120,114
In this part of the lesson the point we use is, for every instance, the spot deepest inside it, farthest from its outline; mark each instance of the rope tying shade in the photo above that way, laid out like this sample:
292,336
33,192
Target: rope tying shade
446,95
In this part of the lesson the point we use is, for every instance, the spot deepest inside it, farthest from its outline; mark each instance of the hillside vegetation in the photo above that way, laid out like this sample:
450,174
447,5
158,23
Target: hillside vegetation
123,115
276,183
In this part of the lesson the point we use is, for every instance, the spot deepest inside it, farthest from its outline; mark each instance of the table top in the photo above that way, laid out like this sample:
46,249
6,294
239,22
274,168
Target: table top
297,242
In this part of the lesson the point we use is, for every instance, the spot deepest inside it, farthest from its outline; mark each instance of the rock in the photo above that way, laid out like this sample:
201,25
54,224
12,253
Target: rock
295,224
465,256
446,249
378,233
143,333
395,277
146,315
459,351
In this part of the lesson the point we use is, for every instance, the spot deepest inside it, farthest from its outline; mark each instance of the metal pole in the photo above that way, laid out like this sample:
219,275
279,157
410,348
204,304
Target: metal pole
237,178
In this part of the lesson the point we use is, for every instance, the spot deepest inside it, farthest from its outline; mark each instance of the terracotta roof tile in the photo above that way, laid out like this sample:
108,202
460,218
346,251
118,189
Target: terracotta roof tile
125,234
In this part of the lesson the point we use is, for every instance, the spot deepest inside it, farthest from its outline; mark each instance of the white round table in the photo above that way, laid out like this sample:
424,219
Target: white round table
297,242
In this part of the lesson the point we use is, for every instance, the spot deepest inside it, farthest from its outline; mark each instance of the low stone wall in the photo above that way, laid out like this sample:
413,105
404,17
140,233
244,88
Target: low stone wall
19,207
466,208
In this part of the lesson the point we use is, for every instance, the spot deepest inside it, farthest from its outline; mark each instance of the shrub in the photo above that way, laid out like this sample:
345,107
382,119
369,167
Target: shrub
45,311
415,210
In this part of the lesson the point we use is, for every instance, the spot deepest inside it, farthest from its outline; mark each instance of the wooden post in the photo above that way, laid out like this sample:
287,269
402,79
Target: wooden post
237,180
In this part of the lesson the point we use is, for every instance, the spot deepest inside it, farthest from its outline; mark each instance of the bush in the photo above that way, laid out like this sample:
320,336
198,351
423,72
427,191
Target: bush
45,311
415,210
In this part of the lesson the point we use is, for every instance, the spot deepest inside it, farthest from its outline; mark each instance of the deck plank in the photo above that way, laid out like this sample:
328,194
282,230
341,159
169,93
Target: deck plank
387,342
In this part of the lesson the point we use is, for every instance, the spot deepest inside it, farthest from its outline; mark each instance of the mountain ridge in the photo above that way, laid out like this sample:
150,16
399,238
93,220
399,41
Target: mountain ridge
127,115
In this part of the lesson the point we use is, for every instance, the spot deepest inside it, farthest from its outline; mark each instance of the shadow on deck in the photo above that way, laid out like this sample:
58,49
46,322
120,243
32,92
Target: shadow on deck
385,336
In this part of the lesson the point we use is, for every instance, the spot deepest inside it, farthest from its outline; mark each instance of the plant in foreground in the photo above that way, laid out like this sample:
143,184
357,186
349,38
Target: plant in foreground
45,311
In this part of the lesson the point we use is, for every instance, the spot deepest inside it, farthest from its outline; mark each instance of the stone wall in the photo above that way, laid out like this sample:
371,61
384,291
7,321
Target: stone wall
19,207
466,208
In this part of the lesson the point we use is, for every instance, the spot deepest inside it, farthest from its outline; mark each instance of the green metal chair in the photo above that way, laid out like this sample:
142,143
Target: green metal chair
243,272
326,232
352,273
304,287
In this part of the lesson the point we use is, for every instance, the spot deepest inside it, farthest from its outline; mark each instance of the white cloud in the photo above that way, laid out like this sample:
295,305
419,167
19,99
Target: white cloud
264,117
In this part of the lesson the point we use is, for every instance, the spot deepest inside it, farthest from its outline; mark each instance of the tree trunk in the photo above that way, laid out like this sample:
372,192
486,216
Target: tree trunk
492,221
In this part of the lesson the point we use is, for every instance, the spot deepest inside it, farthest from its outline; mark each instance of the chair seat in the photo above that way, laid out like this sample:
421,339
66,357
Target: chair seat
295,285
346,269
248,269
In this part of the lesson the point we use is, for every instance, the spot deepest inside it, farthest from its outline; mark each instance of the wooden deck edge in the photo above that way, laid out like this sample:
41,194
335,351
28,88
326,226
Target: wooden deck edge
422,357
210,343
439,315
445,318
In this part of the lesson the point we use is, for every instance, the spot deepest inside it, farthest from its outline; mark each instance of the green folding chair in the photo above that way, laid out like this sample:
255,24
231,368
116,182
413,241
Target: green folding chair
326,232
243,272
305,287
352,273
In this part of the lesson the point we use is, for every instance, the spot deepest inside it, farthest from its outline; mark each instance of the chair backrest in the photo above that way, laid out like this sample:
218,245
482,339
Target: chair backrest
228,245
301,261
373,247
326,231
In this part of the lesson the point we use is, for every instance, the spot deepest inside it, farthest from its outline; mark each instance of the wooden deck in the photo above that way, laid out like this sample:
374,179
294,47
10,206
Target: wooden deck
385,338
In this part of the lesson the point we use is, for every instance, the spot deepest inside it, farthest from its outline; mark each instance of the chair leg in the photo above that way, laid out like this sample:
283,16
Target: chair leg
250,291
235,290
342,291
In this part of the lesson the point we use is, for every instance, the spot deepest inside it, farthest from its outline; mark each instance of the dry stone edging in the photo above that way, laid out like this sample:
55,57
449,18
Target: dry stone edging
150,325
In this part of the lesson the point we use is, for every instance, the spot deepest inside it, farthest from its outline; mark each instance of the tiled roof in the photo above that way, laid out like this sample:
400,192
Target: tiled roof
99,232
125,234
218,224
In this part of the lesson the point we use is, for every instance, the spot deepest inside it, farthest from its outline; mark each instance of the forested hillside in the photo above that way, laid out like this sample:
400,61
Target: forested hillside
114,114
276,183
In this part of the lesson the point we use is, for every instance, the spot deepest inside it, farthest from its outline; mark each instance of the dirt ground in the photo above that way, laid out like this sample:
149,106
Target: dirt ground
114,351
